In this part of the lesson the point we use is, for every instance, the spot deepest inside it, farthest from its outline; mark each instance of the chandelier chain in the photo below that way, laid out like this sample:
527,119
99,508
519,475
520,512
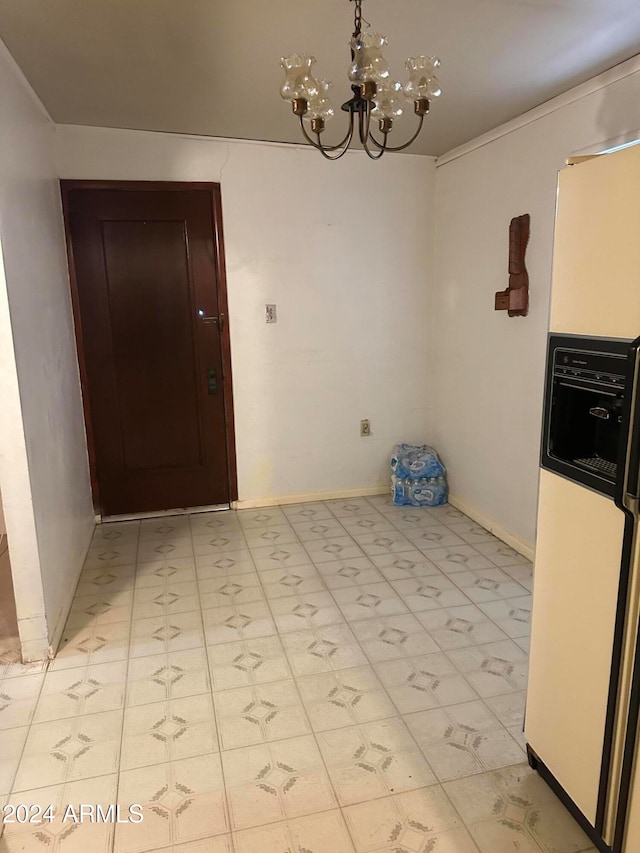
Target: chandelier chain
357,18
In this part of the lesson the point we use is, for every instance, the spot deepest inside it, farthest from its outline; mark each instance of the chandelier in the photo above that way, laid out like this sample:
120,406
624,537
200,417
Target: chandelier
375,94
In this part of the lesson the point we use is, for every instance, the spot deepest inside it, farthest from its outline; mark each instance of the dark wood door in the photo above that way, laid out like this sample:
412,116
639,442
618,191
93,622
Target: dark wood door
145,270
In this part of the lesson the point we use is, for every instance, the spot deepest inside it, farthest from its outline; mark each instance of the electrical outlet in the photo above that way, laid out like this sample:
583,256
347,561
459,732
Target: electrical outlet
271,315
365,428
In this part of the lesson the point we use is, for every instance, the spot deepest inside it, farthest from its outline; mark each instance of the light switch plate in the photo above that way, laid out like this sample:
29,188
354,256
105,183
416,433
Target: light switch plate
271,314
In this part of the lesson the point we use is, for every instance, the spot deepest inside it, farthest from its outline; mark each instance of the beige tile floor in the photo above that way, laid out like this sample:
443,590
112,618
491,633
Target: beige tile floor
338,677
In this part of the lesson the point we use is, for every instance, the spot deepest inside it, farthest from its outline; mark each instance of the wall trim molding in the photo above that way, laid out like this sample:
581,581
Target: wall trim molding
595,84
222,140
310,497
524,548
622,140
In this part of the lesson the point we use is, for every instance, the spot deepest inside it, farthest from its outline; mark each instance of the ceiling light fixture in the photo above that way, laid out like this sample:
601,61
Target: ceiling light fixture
375,94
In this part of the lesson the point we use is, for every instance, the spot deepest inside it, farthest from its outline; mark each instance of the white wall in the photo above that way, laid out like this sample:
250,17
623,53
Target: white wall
488,368
43,459
345,251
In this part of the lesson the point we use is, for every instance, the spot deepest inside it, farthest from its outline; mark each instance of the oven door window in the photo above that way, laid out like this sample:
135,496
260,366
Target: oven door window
584,429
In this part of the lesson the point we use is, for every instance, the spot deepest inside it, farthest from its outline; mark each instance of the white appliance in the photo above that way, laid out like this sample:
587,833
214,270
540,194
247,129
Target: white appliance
583,702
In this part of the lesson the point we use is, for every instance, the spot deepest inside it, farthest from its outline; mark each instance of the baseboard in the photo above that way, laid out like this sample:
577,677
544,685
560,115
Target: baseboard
35,647
525,548
310,497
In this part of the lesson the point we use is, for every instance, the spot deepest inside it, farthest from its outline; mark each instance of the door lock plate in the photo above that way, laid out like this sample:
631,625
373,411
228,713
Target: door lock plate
212,381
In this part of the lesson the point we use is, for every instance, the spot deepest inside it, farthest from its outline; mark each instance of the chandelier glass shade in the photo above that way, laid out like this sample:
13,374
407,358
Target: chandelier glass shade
376,95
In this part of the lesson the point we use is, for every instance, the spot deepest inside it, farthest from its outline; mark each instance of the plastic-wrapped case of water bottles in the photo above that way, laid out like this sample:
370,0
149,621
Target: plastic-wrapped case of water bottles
418,477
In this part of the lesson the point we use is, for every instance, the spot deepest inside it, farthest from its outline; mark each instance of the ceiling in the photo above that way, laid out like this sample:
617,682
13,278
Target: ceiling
211,66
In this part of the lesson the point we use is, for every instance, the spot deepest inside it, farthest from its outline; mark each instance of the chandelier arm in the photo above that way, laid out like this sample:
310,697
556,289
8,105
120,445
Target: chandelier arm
398,147
347,137
324,149
383,148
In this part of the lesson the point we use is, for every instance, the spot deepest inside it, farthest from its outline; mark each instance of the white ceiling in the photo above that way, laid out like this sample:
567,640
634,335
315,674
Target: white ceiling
211,66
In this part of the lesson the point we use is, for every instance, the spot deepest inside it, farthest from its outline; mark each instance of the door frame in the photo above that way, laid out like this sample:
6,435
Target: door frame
68,185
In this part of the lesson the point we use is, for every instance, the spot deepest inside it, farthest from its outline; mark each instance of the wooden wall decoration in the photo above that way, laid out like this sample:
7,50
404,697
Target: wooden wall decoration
515,299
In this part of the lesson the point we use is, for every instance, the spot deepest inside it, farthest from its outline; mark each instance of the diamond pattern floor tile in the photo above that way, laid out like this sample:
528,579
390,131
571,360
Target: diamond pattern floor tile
323,833
268,783
65,831
333,677
373,760
259,714
70,749
168,731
